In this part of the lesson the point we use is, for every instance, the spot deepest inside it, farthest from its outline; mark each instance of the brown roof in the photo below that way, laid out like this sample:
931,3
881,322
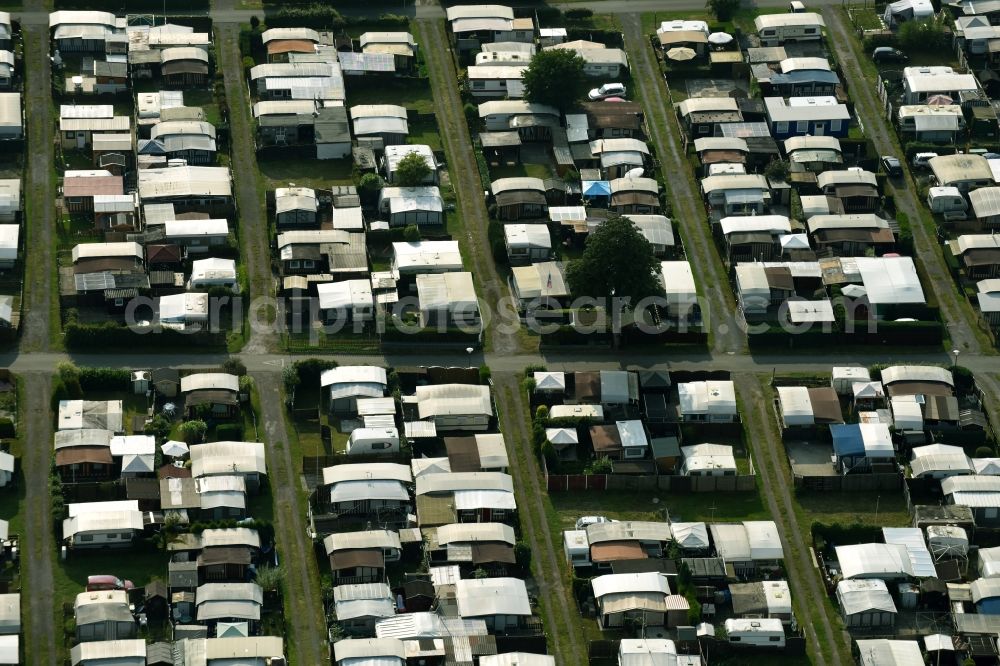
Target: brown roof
210,396
463,454
981,257
855,191
622,115
99,264
856,235
941,407
610,551
290,46
224,555
588,386
88,186
163,254
137,488
605,438
485,553
520,197
84,454
723,156
780,277
919,388
173,472
184,67
641,198
357,557
683,37
825,405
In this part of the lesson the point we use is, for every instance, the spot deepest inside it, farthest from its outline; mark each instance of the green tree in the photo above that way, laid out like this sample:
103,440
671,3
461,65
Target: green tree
158,427
368,187
555,78
617,261
722,9
926,35
411,233
234,366
269,578
777,170
412,170
193,432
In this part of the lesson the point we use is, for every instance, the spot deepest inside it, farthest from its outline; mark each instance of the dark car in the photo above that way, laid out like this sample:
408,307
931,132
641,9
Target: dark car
888,54
892,166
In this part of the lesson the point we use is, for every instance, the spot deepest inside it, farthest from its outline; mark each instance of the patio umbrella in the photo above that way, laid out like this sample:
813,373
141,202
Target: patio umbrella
939,100
681,53
720,38
174,448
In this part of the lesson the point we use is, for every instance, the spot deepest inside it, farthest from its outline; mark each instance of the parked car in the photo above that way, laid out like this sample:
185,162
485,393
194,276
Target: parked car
108,582
920,160
796,7
607,90
892,166
888,54
583,522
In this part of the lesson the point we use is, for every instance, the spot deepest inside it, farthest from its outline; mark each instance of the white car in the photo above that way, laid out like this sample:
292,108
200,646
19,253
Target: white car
607,90
582,523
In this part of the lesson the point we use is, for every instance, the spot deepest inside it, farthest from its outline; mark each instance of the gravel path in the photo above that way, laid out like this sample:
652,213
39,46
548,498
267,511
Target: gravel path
955,311
37,545
464,174
39,195
566,641
688,211
253,229
814,615
303,605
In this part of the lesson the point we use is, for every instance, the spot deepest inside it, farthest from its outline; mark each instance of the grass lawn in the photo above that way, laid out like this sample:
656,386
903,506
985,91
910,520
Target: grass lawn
743,19
426,133
412,93
866,18
318,174
532,170
206,100
623,505
854,507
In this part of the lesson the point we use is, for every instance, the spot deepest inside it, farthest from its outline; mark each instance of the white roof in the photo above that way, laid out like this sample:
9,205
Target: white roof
707,397
527,235
272,34
863,596
937,79
134,444
678,25
349,472
577,411
550,381
678,282
183,181
452,291
450,482
739,181
345,294
708,457
720,143
985,201
385,539
917,373
774,224
483,597
114,652
692,536
213,269
227,458
796,406
791,64
888,652
353,374
913,539
805,108
210,380
412,256
517,659
890,280
791,19
475,533
764,540
695,104
630,583
874,560
189,228
102,250
103,521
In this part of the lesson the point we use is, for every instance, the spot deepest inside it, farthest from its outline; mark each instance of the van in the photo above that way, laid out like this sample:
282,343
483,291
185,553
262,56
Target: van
107,582
920,160
763,632
796,7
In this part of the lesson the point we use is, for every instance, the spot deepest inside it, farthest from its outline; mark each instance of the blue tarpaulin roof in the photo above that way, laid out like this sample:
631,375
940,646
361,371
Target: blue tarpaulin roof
847,439
596,188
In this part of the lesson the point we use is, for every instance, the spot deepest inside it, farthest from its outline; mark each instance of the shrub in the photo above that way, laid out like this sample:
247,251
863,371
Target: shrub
542,413
411,234
105,379
984,452
193,432
6,427
158,427
311,368
234,366
578,13
484,374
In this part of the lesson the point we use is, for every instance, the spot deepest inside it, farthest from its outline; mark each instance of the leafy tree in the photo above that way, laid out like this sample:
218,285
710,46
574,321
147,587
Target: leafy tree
368,187
234,366
618,261
269,578
722,9
412,170
158,427
926,35
984,452
777,170
290,377
411,233
193,432
555,78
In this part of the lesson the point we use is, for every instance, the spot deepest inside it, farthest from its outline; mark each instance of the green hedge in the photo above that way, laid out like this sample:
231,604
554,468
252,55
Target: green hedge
105,379
229,432
111,335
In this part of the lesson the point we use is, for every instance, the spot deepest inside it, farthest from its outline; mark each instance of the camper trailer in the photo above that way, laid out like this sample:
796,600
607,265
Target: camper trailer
778,29
763,632
373,441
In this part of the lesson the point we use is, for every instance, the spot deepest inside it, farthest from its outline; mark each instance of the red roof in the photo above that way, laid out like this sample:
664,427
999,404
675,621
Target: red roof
88,186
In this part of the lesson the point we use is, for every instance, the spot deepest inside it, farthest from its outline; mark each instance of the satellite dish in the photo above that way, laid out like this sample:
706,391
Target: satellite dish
634,173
